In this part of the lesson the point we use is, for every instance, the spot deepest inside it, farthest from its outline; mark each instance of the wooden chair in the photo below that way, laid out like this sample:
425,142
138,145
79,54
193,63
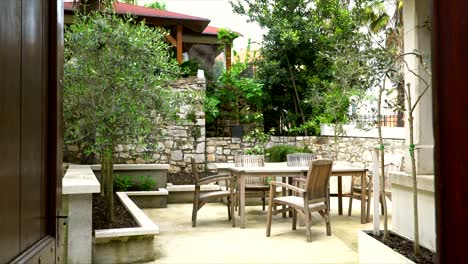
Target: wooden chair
299,159
200,199
314,197
254,186
393,163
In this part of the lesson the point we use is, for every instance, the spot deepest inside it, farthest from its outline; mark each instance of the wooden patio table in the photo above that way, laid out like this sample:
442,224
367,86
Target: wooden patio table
280,169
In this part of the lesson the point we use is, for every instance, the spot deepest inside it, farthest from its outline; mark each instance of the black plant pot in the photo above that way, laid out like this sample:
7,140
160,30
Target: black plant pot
237,131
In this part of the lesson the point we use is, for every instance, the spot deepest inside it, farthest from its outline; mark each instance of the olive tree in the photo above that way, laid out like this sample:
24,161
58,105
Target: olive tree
115,74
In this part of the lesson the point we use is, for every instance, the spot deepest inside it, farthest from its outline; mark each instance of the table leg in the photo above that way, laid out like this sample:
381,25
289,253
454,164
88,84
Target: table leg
363,198
340,195
242,201
290,193
283,193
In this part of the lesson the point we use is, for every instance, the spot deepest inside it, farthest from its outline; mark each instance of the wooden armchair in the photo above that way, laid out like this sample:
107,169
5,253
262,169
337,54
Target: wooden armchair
314,197
200,199
254,186
392,163
299,159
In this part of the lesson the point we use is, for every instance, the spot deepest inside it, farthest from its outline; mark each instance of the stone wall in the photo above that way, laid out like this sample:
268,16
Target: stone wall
354,151
187,139
180,141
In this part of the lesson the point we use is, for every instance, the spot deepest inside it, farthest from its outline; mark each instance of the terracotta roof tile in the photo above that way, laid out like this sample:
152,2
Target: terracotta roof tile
123,8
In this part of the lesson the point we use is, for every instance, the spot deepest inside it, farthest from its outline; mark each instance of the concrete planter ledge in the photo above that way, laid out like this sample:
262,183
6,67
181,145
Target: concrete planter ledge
370,250
191,187
184,193
149,199
80,179
425,182
134,166
126,245
147,227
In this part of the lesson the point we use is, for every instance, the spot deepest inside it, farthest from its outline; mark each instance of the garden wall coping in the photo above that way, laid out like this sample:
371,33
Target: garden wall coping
425,182
191,187
80,179
161,191
134,167
147,227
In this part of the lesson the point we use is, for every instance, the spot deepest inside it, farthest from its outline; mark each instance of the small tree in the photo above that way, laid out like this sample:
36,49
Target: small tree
115,70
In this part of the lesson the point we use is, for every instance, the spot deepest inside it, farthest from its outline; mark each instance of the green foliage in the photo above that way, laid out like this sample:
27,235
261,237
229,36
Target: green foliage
227,36
279,153
157,5
115,71
122,183
259,138
146,183
298,64
211,108
237,91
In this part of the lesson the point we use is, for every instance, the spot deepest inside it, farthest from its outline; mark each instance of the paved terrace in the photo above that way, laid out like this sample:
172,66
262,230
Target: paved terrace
215,241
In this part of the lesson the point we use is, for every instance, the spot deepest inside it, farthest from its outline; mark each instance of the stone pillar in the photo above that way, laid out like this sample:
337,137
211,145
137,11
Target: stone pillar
416,19
78,185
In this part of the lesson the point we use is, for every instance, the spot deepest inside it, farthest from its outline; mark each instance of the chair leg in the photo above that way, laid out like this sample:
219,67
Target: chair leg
263,201
307,221
229,207
271,205
351,197
327,221
294,219
194,213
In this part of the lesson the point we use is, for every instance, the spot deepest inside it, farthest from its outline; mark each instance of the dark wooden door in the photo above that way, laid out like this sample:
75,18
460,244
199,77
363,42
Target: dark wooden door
29,129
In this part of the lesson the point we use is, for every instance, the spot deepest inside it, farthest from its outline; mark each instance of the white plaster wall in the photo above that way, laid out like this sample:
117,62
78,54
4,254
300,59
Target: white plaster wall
402,215
79,228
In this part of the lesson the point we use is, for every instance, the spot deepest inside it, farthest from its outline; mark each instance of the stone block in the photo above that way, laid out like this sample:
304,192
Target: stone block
226,151
210,149
210,157
176,155
200,148
219,150
234,146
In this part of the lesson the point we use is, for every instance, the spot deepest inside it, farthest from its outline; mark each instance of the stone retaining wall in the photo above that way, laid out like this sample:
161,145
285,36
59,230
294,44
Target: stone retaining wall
180,141
354,151
187,139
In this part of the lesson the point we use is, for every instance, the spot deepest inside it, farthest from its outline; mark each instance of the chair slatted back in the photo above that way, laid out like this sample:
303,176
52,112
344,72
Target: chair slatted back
251,161
300,159
318,177
195,170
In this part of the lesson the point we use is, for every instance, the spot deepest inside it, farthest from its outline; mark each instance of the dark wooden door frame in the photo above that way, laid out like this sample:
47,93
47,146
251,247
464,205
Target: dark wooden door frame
48,250
450,101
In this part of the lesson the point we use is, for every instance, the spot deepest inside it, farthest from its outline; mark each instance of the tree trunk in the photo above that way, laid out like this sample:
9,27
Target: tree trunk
108,183
296,94
417,251
382,164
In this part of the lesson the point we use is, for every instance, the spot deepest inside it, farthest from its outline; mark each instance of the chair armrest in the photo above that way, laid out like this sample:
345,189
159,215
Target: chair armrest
299,180
214,178
287,186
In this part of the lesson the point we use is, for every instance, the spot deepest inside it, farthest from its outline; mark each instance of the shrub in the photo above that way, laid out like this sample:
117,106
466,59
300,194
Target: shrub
122,183
146,183
279,153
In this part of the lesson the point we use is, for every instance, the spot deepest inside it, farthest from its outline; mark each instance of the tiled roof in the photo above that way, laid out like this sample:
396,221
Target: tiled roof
210,31
123,8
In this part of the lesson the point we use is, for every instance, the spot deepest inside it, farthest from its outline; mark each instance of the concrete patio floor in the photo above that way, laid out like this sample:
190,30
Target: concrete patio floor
215,241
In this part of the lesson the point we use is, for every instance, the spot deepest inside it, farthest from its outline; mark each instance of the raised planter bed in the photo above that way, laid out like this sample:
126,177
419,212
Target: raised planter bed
149,199
126,245
371,250
156,171
184,193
